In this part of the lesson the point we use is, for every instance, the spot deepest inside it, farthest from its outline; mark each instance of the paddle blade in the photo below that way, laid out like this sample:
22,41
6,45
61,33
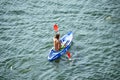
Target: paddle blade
68,54
56,27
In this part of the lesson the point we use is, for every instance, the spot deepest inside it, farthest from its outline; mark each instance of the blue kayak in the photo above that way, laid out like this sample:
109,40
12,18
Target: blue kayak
66,39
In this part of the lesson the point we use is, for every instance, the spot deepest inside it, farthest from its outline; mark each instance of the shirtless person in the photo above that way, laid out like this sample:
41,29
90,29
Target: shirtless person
57,43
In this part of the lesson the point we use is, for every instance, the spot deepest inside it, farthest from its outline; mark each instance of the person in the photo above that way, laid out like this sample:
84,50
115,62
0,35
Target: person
57,43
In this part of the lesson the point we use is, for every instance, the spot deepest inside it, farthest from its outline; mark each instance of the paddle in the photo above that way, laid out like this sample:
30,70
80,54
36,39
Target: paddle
56,30
69,55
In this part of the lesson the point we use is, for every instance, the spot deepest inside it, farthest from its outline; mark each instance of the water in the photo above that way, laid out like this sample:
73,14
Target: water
26,33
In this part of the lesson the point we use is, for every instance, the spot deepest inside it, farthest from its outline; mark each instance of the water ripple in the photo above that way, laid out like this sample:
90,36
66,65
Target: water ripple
26,36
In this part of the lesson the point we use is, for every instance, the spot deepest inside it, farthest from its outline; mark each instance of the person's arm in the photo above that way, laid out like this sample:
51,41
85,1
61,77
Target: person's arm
59,45
56,45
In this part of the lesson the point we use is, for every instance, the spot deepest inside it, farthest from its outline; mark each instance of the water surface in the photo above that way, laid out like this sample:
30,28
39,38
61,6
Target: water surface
26,33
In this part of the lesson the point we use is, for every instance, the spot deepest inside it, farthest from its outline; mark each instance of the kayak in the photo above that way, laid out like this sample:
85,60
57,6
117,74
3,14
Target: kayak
65,40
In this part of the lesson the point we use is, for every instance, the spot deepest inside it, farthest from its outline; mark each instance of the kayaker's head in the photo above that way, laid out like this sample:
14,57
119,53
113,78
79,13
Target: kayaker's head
57,36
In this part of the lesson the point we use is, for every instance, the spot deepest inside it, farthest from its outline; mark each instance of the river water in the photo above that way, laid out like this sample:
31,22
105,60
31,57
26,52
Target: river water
26,33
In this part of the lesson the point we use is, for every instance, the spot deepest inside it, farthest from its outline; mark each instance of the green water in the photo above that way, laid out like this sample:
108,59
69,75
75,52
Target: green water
26,33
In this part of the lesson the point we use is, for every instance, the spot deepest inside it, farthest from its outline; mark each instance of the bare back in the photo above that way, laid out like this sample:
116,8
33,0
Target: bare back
57,44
